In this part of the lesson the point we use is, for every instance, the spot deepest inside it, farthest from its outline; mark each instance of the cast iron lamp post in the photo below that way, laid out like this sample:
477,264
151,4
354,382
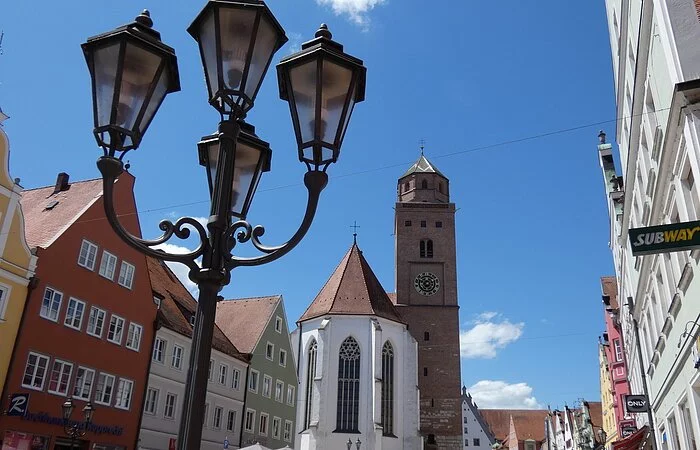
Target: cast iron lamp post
76,430
132,71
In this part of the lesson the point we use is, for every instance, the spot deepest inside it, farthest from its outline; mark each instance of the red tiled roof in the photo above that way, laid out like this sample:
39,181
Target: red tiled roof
244,320
178,305
595,409
609,285
353,289
529,423
42,225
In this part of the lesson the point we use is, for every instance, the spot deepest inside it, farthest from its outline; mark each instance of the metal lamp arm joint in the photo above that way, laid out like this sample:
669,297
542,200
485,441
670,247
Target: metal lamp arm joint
241,231
111,168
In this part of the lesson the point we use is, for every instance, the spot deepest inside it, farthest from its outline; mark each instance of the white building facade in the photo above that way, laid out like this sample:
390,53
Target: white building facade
166,388
357,367
475,432
656,63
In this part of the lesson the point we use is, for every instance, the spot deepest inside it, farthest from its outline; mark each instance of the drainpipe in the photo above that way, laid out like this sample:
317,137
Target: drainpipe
635,326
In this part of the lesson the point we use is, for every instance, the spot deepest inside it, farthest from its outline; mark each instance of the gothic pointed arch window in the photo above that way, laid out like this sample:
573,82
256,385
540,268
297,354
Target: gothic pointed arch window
348,387
310,374
424,184
388,389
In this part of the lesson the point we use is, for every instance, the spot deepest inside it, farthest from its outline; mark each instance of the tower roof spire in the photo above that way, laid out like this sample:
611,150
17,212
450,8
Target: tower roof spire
424,166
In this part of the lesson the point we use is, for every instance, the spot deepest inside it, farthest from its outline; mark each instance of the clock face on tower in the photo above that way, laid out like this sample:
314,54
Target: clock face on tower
426,283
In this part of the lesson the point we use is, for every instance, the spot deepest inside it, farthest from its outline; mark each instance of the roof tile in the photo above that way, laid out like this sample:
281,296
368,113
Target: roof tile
529,423
243,320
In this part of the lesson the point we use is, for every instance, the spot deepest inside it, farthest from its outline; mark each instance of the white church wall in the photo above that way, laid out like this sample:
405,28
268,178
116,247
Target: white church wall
370,335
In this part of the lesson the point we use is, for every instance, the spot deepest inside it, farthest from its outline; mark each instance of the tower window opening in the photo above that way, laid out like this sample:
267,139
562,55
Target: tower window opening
423,224
407,223
429,248
438,224
424,184
440,188
425,371
426,336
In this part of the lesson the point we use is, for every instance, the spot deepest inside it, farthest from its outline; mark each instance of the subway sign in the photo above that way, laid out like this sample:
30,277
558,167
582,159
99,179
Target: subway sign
673,237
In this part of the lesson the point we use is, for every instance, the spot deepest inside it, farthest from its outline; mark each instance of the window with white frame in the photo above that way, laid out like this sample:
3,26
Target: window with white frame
249,422
96,321
74,314
3,300
283,358
159,347
253,381
116,330
60,377
278,324
262,429
126,275
84,378
687,422
619,371
290,395
176,361
310,375
88,255
231,421
35,371
124,390
223,374
276,426
270,351
288,430
347,413
218,414
673,431
151,404
170,401
51,304
105,389
279,391
267,386
618,350
133,338
236,379
205,417
108,265
691,192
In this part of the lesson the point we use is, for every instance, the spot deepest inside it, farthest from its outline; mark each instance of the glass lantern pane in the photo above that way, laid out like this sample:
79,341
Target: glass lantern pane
303,80
236,29
139,70
336,82
262,54
351,106
213,162
247,159
105,67
158,95
207,41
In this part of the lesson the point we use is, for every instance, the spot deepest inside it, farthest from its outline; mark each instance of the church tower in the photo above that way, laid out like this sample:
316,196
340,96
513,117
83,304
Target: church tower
426,297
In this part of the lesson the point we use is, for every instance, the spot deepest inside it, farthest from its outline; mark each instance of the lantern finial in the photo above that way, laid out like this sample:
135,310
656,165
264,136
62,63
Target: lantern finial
144,18
324,32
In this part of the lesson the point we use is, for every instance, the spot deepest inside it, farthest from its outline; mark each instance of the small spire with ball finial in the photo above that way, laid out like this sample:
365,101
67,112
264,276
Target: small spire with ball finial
144,18
324,32
601,137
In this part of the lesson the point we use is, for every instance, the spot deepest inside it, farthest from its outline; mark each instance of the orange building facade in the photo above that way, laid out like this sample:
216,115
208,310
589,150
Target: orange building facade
88,325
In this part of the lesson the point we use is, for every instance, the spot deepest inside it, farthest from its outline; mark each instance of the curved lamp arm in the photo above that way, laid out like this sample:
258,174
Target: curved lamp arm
242,231
111,168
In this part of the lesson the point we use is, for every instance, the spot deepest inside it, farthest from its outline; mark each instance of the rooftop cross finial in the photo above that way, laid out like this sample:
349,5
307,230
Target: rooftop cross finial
354,227
422,146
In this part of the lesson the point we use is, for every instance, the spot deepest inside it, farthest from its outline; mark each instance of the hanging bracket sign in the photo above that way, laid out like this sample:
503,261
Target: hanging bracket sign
673,237
636,403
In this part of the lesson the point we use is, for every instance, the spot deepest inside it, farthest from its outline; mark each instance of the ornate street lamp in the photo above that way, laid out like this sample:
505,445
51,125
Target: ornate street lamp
132,71
76,430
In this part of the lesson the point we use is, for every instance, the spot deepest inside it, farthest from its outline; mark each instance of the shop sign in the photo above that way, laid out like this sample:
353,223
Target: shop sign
18,405
672,237
636,403
628,431
43,417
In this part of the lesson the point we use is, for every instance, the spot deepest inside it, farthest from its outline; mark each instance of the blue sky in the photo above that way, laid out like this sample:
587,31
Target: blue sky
462,75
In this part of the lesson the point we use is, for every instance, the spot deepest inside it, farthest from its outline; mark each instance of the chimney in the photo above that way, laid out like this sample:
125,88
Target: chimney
61,182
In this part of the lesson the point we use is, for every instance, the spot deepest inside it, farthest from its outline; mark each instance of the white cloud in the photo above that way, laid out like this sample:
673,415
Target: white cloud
181,271
499,394
488,335
356,9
